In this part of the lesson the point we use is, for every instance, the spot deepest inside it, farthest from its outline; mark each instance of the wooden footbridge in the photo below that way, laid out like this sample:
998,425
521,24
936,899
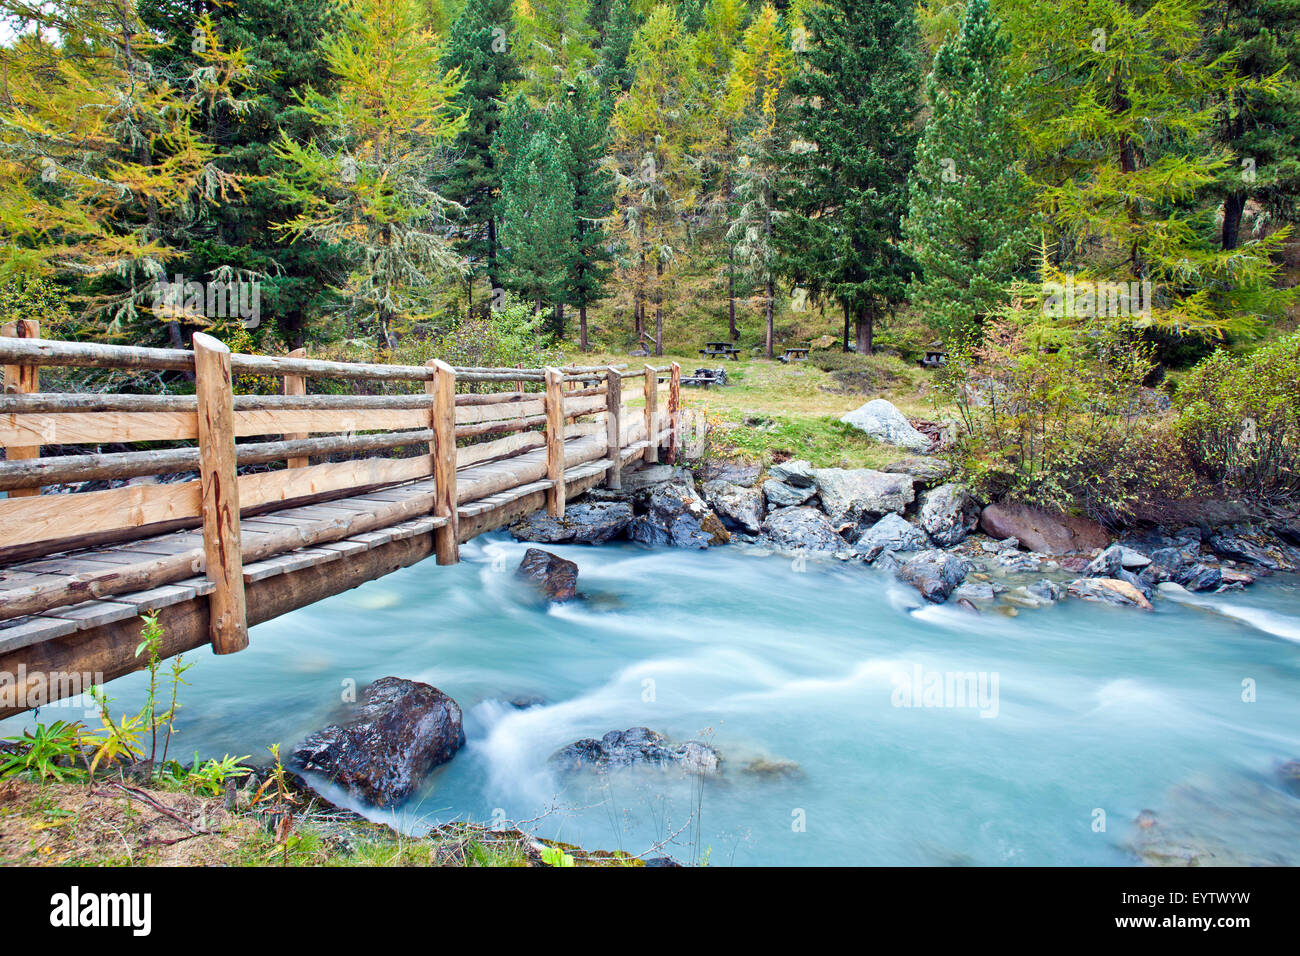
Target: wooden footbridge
300,493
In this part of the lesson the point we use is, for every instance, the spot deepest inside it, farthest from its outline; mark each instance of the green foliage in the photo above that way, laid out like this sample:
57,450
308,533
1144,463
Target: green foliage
555,856
968,225
47,752
210,776
1239,417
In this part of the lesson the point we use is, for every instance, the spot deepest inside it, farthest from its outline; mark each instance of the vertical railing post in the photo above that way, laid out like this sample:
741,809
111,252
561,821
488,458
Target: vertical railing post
442,421
555,441
614,427
297,385
674,409
219,482
652,415
20,380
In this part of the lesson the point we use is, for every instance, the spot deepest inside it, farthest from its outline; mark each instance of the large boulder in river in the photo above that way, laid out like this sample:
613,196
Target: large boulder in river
802,529
588,522
934,573
1109,591
739,507
393,736
677,517
949,513
1042,531
554,576
885,423
890,533
847,494
637,746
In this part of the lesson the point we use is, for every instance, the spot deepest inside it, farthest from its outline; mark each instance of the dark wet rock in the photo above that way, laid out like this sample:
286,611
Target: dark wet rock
802,529
588,522
739,507
396,733
1115,559
1288,530
1167,564
949,513
555,577
778,494
924,472
1042,531
1109,591
934,573
1200,577
637,746
974,591
740,473
796,474
890,533
966,604
527,701
848,495
1237,548
676,517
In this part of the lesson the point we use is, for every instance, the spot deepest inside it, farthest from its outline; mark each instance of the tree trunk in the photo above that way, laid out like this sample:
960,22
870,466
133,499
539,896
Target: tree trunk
731,295
659,307
866,322
582,327
845,307
1233,207
770,308
559,321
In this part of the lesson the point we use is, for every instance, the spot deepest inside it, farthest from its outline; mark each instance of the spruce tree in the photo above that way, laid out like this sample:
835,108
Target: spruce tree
537,223
583,120
967,225
852,141
479,47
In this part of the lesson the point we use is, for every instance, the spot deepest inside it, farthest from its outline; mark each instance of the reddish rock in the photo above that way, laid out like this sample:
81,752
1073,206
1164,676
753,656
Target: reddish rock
1042,531
554,576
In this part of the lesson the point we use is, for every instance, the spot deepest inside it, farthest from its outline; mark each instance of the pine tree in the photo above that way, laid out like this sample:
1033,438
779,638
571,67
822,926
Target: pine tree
616,43
968,225
389,117
852,140
553,45
480,49
537,223
1260,119
583,120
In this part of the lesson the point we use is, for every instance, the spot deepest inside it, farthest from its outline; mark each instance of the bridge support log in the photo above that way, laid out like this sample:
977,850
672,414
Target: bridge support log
651,383
443,450
614,427
297,385
219,485
21,380
674,410
555,441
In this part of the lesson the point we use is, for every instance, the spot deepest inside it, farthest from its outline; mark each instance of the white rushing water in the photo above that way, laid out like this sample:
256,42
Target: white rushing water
1073,711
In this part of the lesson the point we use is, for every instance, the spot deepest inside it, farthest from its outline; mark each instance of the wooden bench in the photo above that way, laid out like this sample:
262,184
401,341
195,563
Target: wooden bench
720,350
795,355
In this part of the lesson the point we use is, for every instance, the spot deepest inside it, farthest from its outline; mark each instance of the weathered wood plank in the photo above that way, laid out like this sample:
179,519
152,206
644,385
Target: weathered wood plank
555,441
21,380
443,419
296,385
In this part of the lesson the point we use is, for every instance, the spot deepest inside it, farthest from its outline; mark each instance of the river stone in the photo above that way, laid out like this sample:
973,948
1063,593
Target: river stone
890,533
1115,559
934,573
974,591
555,577
1167,564
740,473
1042,531
949,513
797,474
780,495
652,475
1237,548
847,494
802,529
588,522
637,746
1108,591
738,507
1200,577
925,472
396,733
679,518
885,423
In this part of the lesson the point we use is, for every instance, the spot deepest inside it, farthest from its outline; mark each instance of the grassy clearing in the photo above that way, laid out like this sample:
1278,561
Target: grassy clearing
770,411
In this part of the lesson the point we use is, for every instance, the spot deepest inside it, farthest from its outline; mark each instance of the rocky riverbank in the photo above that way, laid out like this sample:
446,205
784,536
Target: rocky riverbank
910,520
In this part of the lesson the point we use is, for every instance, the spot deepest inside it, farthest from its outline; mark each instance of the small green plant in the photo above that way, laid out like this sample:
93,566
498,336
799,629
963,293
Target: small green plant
555,856
210,777
49,753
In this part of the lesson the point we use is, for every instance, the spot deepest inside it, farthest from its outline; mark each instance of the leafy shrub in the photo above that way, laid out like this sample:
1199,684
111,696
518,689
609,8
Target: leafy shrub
860,373
1053,417
1239,418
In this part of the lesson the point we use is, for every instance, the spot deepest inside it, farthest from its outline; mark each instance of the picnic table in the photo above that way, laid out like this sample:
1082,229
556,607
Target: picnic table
795,354
720,350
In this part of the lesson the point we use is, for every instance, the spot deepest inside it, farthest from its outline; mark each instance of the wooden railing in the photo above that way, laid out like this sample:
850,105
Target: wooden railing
358,441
